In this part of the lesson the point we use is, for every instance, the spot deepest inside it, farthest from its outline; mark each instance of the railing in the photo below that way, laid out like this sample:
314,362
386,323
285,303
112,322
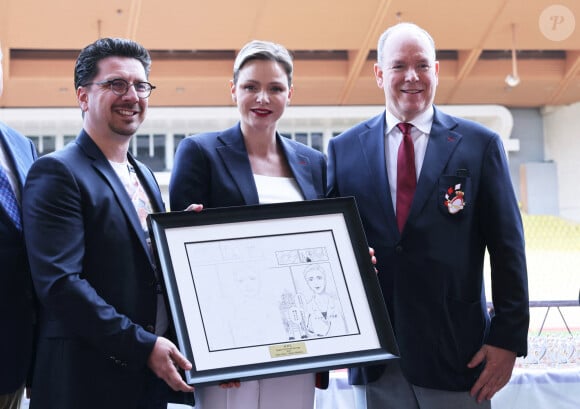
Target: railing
554,304
554,349
548,304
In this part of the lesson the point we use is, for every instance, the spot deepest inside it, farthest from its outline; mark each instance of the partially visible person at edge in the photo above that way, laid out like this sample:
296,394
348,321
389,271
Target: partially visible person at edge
452,355
251,163
17,303
103,326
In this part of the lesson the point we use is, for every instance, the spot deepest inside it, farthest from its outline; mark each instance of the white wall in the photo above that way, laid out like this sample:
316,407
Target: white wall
562,145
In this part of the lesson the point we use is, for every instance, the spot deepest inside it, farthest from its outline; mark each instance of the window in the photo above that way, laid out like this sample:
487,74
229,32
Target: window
44,144
177,137
316,141
301,137
313,139
150,149
68,138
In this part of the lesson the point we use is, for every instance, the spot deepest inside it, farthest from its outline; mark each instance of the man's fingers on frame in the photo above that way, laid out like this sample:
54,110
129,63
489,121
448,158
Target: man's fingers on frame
180,361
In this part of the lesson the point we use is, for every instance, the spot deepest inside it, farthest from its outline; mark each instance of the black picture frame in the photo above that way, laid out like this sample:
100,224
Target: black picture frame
270,290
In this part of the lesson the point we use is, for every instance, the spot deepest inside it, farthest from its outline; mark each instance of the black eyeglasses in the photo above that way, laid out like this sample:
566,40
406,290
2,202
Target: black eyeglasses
120,87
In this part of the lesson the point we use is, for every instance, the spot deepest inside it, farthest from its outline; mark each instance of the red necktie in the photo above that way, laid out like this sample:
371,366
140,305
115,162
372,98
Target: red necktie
406,179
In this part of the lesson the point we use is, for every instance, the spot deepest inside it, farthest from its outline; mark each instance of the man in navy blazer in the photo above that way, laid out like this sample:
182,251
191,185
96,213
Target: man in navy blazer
16,294
102,317
452,355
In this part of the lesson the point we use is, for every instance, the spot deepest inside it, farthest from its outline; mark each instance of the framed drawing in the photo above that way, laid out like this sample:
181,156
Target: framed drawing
270,290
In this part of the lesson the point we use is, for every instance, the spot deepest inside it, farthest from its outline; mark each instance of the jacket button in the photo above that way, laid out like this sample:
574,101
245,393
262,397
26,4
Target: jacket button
399,249
150,328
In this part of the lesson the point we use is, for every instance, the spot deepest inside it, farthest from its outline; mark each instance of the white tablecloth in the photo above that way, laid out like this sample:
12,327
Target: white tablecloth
553,388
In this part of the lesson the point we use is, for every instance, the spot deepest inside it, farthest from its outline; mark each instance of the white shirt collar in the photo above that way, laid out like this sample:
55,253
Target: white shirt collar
422,122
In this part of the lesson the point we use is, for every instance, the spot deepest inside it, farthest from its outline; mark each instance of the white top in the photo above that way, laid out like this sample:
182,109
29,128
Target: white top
122,170
142,205
273,189
394,137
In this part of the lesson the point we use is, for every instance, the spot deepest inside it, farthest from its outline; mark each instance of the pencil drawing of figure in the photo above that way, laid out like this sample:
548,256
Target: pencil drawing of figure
293,316
324,315
254,317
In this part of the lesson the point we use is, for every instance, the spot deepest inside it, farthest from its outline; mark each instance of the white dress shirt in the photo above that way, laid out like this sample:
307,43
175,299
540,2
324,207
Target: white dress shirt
393,138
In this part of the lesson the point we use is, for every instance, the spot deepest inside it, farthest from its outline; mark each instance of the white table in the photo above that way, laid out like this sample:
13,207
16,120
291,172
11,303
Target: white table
553,388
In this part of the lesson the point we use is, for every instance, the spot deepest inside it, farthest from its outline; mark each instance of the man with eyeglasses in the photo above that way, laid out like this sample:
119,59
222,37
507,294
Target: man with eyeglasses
103,325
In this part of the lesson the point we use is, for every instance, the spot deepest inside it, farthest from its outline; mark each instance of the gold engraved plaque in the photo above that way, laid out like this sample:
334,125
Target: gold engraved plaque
294,348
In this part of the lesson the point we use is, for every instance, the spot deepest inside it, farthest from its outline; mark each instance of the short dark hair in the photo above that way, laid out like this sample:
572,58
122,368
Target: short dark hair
86,66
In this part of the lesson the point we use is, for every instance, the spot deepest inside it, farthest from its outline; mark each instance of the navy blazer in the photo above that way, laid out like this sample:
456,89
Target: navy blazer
16,294
214,169
94,276
431,274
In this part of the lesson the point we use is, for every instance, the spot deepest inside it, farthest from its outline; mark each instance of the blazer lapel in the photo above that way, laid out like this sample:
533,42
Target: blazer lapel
374,169
13,146
102,166
235,159
442,142
301,168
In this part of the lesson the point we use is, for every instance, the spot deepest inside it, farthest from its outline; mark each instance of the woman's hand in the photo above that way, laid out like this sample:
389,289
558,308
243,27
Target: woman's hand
373,258
230,384
195,207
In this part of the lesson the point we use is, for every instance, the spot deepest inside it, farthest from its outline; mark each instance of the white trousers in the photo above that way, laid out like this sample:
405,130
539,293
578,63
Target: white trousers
286,392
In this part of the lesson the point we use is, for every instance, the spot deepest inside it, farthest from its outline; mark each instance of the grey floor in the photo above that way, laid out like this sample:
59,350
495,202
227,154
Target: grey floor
25,403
